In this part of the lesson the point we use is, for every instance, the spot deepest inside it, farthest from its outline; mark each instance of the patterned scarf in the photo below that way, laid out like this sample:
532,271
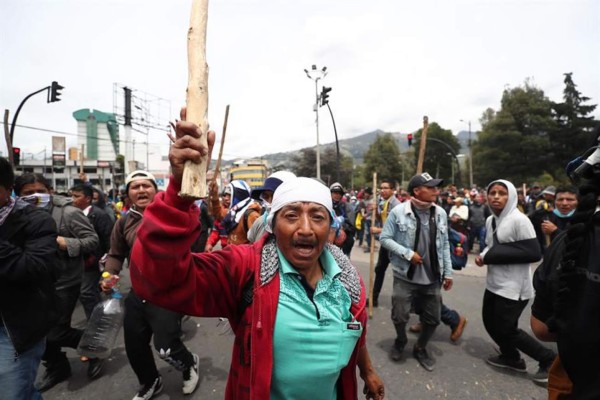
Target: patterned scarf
6,210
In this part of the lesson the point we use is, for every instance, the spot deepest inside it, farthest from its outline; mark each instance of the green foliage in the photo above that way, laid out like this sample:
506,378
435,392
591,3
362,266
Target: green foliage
574,133
305,164
440,153
514,143
383,157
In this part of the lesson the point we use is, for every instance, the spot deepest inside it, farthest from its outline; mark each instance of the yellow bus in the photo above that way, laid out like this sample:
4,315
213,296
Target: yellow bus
254,173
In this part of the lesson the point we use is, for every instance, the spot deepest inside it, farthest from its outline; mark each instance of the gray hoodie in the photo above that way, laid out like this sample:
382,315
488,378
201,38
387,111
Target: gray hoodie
512,246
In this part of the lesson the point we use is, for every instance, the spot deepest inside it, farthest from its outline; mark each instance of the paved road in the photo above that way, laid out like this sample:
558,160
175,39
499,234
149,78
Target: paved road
461,371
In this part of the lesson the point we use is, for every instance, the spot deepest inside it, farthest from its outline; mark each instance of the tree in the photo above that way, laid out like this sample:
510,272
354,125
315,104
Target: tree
440,153
487,117
575,125
305,164
515,143
383,157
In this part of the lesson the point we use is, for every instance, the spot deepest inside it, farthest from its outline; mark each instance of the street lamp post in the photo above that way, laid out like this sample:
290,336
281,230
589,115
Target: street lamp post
470,155
316,74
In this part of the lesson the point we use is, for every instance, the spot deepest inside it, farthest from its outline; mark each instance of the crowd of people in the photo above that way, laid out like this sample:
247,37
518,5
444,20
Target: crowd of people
276,262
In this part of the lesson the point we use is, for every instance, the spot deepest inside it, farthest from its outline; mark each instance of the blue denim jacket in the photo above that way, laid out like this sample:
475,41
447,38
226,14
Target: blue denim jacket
398,236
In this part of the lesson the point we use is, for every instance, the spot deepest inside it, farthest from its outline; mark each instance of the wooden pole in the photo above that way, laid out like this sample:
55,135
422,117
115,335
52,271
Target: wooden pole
372,244
218,164
422,145
193,183
81,158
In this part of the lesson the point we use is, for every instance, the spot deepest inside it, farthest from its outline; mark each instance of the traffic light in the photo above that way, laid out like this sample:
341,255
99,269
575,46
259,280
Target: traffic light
409,137
325,95
16,156
55,89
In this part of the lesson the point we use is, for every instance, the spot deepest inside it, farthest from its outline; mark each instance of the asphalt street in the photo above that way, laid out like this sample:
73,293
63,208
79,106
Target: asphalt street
460,373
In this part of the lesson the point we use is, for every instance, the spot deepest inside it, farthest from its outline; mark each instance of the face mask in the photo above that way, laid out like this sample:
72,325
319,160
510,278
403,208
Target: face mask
39,200
560,215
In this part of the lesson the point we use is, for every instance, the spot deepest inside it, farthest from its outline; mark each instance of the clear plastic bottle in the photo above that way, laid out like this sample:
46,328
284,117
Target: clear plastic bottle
105,323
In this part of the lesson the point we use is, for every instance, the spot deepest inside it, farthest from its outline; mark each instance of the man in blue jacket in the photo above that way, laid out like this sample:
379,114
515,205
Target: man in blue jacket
416,236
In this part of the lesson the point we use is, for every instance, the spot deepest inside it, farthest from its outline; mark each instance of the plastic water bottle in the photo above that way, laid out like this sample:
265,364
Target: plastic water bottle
104,325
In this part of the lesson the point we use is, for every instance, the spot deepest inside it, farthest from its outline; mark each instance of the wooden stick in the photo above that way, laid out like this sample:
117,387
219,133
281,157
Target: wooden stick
422,145
81,158
218,164
193,183
372,244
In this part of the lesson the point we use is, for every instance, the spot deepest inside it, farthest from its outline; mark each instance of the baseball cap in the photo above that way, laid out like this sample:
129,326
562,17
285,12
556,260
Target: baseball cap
272,183
139,175
423,179
551,190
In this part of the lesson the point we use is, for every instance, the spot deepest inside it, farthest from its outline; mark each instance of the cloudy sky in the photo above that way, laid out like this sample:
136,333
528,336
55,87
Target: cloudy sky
389,61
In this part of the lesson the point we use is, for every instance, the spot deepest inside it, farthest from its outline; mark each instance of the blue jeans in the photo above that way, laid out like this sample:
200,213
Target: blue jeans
17,374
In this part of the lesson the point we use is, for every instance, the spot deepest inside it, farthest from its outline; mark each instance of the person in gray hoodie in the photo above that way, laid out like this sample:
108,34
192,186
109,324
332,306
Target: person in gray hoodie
511,247
76,237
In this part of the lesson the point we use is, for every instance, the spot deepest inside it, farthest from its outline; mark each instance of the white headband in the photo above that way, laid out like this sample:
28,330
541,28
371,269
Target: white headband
299,189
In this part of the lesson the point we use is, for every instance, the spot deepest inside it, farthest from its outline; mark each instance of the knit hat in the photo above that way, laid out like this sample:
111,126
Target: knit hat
337,187
299,189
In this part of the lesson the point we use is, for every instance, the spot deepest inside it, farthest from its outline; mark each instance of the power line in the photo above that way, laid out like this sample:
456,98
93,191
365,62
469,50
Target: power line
85,136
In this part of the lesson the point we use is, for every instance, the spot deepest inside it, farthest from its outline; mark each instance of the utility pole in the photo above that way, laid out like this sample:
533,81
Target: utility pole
316,74
470,154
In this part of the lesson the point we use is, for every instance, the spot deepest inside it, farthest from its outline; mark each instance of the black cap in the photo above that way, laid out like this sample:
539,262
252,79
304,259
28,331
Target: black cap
423,179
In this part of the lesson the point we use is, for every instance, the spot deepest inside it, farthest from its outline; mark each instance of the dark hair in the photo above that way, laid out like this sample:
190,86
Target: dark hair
28,178
498,183
568,189
85,189
101,198
7,175
390,182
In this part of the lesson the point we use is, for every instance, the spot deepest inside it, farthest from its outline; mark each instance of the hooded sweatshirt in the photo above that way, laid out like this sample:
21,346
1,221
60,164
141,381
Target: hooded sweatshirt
511,247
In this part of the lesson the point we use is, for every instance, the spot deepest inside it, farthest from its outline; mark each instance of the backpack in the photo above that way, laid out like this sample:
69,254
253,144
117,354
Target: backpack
459,249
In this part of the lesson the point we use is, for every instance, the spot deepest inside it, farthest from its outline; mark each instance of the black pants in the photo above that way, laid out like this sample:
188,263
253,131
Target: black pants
382,263
501,319
90,289
142,320
62,334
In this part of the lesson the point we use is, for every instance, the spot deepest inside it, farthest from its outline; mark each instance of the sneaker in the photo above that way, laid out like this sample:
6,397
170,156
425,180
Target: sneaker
149,390
423,358
541,376
458,330
502,362
416,328
190,376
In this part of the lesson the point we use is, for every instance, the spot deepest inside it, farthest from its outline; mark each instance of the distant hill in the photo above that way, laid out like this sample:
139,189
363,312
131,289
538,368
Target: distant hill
354,147
463,139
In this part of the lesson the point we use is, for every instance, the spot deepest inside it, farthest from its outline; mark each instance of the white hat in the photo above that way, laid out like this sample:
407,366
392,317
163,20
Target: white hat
299,189
139,175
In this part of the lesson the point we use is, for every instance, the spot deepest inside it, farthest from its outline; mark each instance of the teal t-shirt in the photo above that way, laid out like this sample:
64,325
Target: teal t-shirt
313,339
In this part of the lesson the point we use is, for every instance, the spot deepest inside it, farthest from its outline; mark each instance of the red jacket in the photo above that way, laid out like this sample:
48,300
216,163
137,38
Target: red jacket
212,285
